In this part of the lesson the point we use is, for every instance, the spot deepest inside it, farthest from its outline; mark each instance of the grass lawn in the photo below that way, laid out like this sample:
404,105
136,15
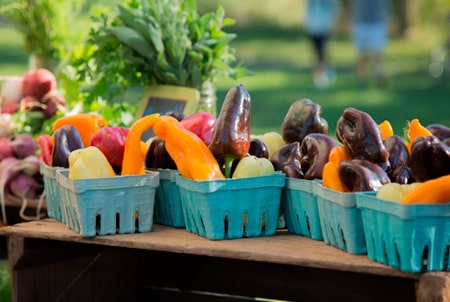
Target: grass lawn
281,60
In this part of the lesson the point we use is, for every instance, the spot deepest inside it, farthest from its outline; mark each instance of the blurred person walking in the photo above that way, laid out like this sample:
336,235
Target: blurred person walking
370,26
320,19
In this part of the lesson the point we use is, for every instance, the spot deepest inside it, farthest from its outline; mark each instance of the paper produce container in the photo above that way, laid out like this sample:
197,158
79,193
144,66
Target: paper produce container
232,208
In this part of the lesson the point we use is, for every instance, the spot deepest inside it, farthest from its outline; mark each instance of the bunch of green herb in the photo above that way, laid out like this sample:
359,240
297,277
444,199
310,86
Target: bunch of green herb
158,42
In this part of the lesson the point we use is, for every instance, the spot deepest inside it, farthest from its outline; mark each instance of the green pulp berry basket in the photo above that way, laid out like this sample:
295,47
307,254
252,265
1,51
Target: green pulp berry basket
168,208
340,220
103,206
52,192
232,208
299,206
412,238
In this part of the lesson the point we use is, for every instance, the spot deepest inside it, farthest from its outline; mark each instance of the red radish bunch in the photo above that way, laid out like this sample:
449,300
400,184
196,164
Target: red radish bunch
36,90
19,170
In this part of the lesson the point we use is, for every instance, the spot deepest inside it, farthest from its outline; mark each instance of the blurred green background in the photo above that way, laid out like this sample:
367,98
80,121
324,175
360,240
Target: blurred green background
270,41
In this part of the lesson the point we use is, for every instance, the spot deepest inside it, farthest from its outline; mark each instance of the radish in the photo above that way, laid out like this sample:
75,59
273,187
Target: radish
52,103
38,83
5,148
8,170
24,186
23,145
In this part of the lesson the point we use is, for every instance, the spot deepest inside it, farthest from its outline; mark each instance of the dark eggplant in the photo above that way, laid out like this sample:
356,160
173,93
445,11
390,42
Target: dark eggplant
399,171
66,139
361,175
362,137
315,149
231,136
287,160
430,158
302,118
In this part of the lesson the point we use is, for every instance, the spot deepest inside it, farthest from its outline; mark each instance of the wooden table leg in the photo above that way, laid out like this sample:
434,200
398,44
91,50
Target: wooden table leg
434,287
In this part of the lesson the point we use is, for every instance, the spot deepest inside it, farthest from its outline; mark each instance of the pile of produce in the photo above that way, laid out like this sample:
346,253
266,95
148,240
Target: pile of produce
20,178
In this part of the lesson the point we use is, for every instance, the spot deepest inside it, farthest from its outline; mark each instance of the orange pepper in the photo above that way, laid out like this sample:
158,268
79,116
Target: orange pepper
413,130
86,123
192,156
330,174
386,129
436,190
133,162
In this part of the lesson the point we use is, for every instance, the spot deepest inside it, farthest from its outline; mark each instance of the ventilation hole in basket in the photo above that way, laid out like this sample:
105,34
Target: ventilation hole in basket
136,220
263,222
397,255
341,232
225,225
117,221
98,222
244,223
308,225
384,249
425,259
446,256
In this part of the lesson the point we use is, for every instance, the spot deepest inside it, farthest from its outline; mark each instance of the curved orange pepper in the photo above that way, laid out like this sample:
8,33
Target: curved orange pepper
386,129
192,156
86,123
413,130
134,158
330,174
435,190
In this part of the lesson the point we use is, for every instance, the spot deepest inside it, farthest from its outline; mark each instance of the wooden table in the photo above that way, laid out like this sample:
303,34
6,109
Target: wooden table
49,262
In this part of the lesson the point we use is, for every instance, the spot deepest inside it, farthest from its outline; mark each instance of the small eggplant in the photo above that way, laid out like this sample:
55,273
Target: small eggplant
258,148
430,158
287,160
157,156
361,175
315,149
302,118
362,137
67,138
399,170
231,135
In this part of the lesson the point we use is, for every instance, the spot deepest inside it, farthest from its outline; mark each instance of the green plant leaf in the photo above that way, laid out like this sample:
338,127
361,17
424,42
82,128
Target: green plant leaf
133,39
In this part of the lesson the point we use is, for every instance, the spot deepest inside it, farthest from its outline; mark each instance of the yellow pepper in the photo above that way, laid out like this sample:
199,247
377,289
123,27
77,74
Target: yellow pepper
330,174
192,156
436,190
89,162
86,123
134,156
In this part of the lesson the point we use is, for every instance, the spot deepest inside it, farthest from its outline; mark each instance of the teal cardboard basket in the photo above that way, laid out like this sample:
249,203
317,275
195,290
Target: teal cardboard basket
340,220
299,206
113,205
168,208
232,208
52,192
412,238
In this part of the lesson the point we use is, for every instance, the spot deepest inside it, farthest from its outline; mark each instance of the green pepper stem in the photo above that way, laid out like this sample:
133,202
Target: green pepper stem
228,162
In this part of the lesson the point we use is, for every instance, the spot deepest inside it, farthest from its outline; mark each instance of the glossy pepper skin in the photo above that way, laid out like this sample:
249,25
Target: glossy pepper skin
399,170
231,136
111,141
44,142
302,118
252,166
440,131
361,175
330,174
315,150
258,148
202,124
287,160
436,190
86,123
362,137
65,140
192,156
430,158
89,162
157,156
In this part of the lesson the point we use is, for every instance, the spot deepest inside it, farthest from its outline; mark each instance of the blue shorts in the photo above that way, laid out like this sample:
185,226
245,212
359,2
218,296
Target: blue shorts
370,37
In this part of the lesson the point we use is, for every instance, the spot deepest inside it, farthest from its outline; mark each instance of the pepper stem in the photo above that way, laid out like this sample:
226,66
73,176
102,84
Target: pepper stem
228,162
